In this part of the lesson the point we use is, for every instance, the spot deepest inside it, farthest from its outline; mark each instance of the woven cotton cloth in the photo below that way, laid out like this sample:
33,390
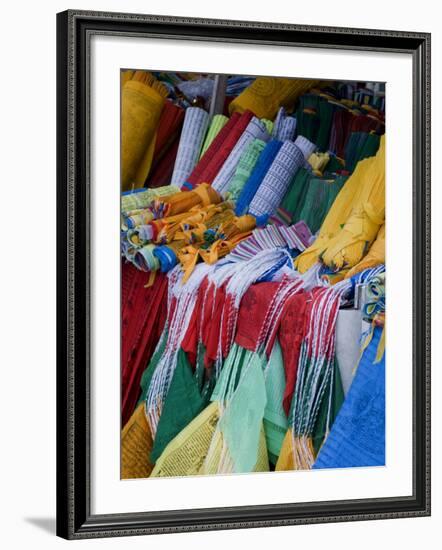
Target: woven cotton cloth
246,163
216,125
191,140
274,185
255,130
263,164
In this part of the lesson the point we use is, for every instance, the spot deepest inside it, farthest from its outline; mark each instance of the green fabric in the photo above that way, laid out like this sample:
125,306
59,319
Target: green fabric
182,404
246,163
150,369
275,419
314,118
241,421
216,125
360,145
337,398
294,195
268,124
319,197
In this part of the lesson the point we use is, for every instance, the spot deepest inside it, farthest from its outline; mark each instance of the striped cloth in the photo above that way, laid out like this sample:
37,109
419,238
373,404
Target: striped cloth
274,185
246,163
272,236
191,140
255,130
250,188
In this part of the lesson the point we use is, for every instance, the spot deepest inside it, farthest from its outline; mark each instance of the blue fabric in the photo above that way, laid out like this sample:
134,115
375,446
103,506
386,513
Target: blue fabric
357,437
167,258
265,160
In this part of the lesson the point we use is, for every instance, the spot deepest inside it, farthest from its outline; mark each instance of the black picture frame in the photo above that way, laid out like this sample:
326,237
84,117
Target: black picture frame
74,518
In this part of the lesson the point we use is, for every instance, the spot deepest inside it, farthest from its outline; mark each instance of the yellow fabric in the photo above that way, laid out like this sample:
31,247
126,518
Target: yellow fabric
136,444
318,161
202,195
142,101
375,256
297,453
354,219
267,94
186,453
218,460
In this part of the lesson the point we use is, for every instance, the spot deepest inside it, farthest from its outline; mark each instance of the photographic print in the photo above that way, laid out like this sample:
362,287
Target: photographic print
253,302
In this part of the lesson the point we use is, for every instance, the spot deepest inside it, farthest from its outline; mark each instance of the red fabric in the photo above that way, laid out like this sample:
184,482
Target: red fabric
143,314
162,173
219,153
291,334
213,148
169,127
253,313
190,340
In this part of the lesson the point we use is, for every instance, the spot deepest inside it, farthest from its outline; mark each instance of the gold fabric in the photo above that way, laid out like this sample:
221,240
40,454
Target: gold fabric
142,101
267,94
186,453
136,444
375,256
354,219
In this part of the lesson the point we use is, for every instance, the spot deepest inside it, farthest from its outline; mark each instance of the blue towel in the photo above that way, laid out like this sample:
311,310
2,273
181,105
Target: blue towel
357,437
265,160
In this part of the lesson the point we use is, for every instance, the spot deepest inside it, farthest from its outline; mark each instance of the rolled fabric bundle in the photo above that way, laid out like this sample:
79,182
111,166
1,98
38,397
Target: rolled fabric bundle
246,163
266,94
274,185
284,127
161,173
288,129
142,100
195,176
318,200
306,146
191,140
216,125
294,197
138,217
203,195
145,260
169,127
375,256
251,186
218,159
141,198
255,130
